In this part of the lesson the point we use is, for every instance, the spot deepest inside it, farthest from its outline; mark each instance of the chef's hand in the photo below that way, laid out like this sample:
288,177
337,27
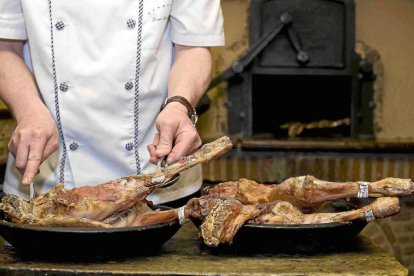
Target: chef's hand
176,137
33,140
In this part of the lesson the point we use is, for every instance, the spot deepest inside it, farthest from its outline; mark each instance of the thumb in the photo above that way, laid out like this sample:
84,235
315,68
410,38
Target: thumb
165,142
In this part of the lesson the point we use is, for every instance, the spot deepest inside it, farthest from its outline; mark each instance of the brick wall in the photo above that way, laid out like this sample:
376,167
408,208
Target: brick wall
394,234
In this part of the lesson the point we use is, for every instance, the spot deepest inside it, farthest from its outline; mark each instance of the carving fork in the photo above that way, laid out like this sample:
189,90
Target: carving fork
159,176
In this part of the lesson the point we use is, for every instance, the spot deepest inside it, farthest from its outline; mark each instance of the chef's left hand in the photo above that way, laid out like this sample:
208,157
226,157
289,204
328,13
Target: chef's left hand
176,137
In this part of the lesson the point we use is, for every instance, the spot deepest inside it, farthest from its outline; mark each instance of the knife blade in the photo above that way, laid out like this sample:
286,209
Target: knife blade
31,189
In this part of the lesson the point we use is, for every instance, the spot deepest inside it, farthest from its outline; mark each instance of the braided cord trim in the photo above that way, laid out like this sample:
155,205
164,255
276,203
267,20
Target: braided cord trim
137,81
56,93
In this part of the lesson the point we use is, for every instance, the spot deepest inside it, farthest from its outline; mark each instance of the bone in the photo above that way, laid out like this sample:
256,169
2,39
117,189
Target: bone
207,152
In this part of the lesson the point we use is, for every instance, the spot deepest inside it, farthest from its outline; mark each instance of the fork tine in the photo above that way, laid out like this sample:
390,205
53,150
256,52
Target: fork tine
163,183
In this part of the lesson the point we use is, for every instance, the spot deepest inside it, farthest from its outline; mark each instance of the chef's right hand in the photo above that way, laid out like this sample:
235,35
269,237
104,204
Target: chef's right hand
34,139
176,137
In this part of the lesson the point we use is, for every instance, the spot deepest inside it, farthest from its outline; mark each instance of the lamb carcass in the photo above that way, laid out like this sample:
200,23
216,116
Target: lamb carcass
307,191
222,217
107,204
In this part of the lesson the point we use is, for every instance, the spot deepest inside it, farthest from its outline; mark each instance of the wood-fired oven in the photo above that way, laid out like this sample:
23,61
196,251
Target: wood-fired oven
301,67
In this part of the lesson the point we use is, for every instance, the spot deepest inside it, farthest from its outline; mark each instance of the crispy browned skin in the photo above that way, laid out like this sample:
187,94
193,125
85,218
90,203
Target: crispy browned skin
140,215
118,202
282,212
19,211
92,202
155,217
222,217
59,221
306,191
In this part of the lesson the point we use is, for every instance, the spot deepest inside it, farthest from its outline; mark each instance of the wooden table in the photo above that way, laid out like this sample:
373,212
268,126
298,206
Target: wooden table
185,255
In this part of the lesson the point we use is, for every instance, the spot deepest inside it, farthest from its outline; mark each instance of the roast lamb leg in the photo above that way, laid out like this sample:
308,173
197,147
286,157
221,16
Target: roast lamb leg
282,212
204,154
107,199
222,217
138,215
307,191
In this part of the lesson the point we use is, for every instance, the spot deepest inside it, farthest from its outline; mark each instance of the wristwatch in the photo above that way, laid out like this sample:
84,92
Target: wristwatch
191,110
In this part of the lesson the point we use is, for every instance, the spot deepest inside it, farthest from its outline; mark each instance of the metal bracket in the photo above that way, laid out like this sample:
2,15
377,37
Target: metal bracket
246,58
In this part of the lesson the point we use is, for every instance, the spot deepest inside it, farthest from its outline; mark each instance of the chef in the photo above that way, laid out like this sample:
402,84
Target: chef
86,79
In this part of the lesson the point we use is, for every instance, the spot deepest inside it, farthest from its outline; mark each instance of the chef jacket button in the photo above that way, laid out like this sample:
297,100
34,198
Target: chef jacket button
73,146
129,85
131,23
60,25
63,86
129,146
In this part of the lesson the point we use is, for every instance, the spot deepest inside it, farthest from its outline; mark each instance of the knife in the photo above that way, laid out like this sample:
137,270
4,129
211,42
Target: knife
31,189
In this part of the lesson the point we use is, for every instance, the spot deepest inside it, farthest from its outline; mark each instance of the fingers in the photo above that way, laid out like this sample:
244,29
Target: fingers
186,142
34,139
34,159
152,149
177,136
51,146
156,138
30,150
20,151
37,154
166,139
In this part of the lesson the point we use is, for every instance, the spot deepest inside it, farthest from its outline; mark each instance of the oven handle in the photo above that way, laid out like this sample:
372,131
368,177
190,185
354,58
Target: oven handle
247,57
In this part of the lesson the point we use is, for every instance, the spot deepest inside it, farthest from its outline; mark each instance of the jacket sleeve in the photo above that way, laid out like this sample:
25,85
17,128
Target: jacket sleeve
197,23
11,20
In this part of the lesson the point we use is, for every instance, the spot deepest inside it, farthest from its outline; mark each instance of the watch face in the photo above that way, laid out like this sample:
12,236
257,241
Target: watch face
194,119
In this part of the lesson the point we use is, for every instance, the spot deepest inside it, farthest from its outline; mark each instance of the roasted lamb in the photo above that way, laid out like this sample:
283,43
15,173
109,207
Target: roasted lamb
308,192
220,212
221,217
119,202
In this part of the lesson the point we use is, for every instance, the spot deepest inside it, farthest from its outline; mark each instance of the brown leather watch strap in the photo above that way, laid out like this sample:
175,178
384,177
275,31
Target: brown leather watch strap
191,110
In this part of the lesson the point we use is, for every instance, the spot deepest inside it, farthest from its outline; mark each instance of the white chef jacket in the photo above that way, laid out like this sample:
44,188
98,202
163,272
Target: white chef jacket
102,69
